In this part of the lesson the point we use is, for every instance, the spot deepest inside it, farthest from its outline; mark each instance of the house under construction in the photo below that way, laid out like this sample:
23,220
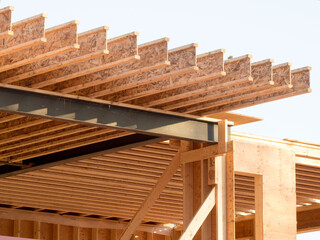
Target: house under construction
106,139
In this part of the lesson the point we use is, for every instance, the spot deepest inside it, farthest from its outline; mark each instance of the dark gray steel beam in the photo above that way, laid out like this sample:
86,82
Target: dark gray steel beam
100,113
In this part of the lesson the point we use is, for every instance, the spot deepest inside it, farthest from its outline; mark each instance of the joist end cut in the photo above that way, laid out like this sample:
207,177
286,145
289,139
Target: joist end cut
76,46
309,90
9,8
167,63
250,79
44,40
271,83
137,57
195,68
301,69
105,51
223,73
290,86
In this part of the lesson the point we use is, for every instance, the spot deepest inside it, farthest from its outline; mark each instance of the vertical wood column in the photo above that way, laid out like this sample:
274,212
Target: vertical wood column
36,230
16,228
187,175
56,232
223,214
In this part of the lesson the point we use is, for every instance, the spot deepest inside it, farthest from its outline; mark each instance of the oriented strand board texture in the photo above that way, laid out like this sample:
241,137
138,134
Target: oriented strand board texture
5,20
22,33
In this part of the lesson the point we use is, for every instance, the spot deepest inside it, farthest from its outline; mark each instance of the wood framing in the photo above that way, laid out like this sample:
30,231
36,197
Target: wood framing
84,153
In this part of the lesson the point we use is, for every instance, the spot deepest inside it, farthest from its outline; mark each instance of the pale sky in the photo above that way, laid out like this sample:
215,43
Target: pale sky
287,31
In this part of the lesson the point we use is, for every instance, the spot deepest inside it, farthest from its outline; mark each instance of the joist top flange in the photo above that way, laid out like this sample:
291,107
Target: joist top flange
9,8
102,28
114,39
63,25
30,19
183,47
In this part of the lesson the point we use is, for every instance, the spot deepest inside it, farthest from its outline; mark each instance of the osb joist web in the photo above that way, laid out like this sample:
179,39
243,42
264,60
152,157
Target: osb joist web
60,59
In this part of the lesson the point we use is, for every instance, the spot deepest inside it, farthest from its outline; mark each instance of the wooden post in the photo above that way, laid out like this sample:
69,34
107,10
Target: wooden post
258,196
76,233
36,229
187,175
56,232
94,233
113,234
17,228
221,197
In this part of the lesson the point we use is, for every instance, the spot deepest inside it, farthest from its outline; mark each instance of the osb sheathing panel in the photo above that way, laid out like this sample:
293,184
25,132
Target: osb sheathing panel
62,38
92,45
209,66
122,51
152,56
5,20
24,32
181,61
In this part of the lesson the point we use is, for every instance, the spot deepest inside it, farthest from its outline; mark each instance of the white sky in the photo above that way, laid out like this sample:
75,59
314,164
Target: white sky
287,31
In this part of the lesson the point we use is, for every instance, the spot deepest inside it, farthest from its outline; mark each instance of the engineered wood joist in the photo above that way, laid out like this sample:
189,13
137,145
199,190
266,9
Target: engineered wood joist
121,50
182,60
265,81
237,70
59,39
209,66
23,38
92,44
153,58
5,19
300,84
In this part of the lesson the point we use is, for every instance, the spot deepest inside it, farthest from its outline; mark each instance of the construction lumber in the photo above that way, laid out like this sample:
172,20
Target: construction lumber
209,66
199,217
127,71
122,49
23,38
261,73
237,71
5,19
81,222
93,44
299,84
153,58
161,184
59,39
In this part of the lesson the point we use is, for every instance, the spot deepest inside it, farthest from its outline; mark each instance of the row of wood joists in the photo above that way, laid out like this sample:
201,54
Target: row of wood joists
50,231
116,184
88,64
